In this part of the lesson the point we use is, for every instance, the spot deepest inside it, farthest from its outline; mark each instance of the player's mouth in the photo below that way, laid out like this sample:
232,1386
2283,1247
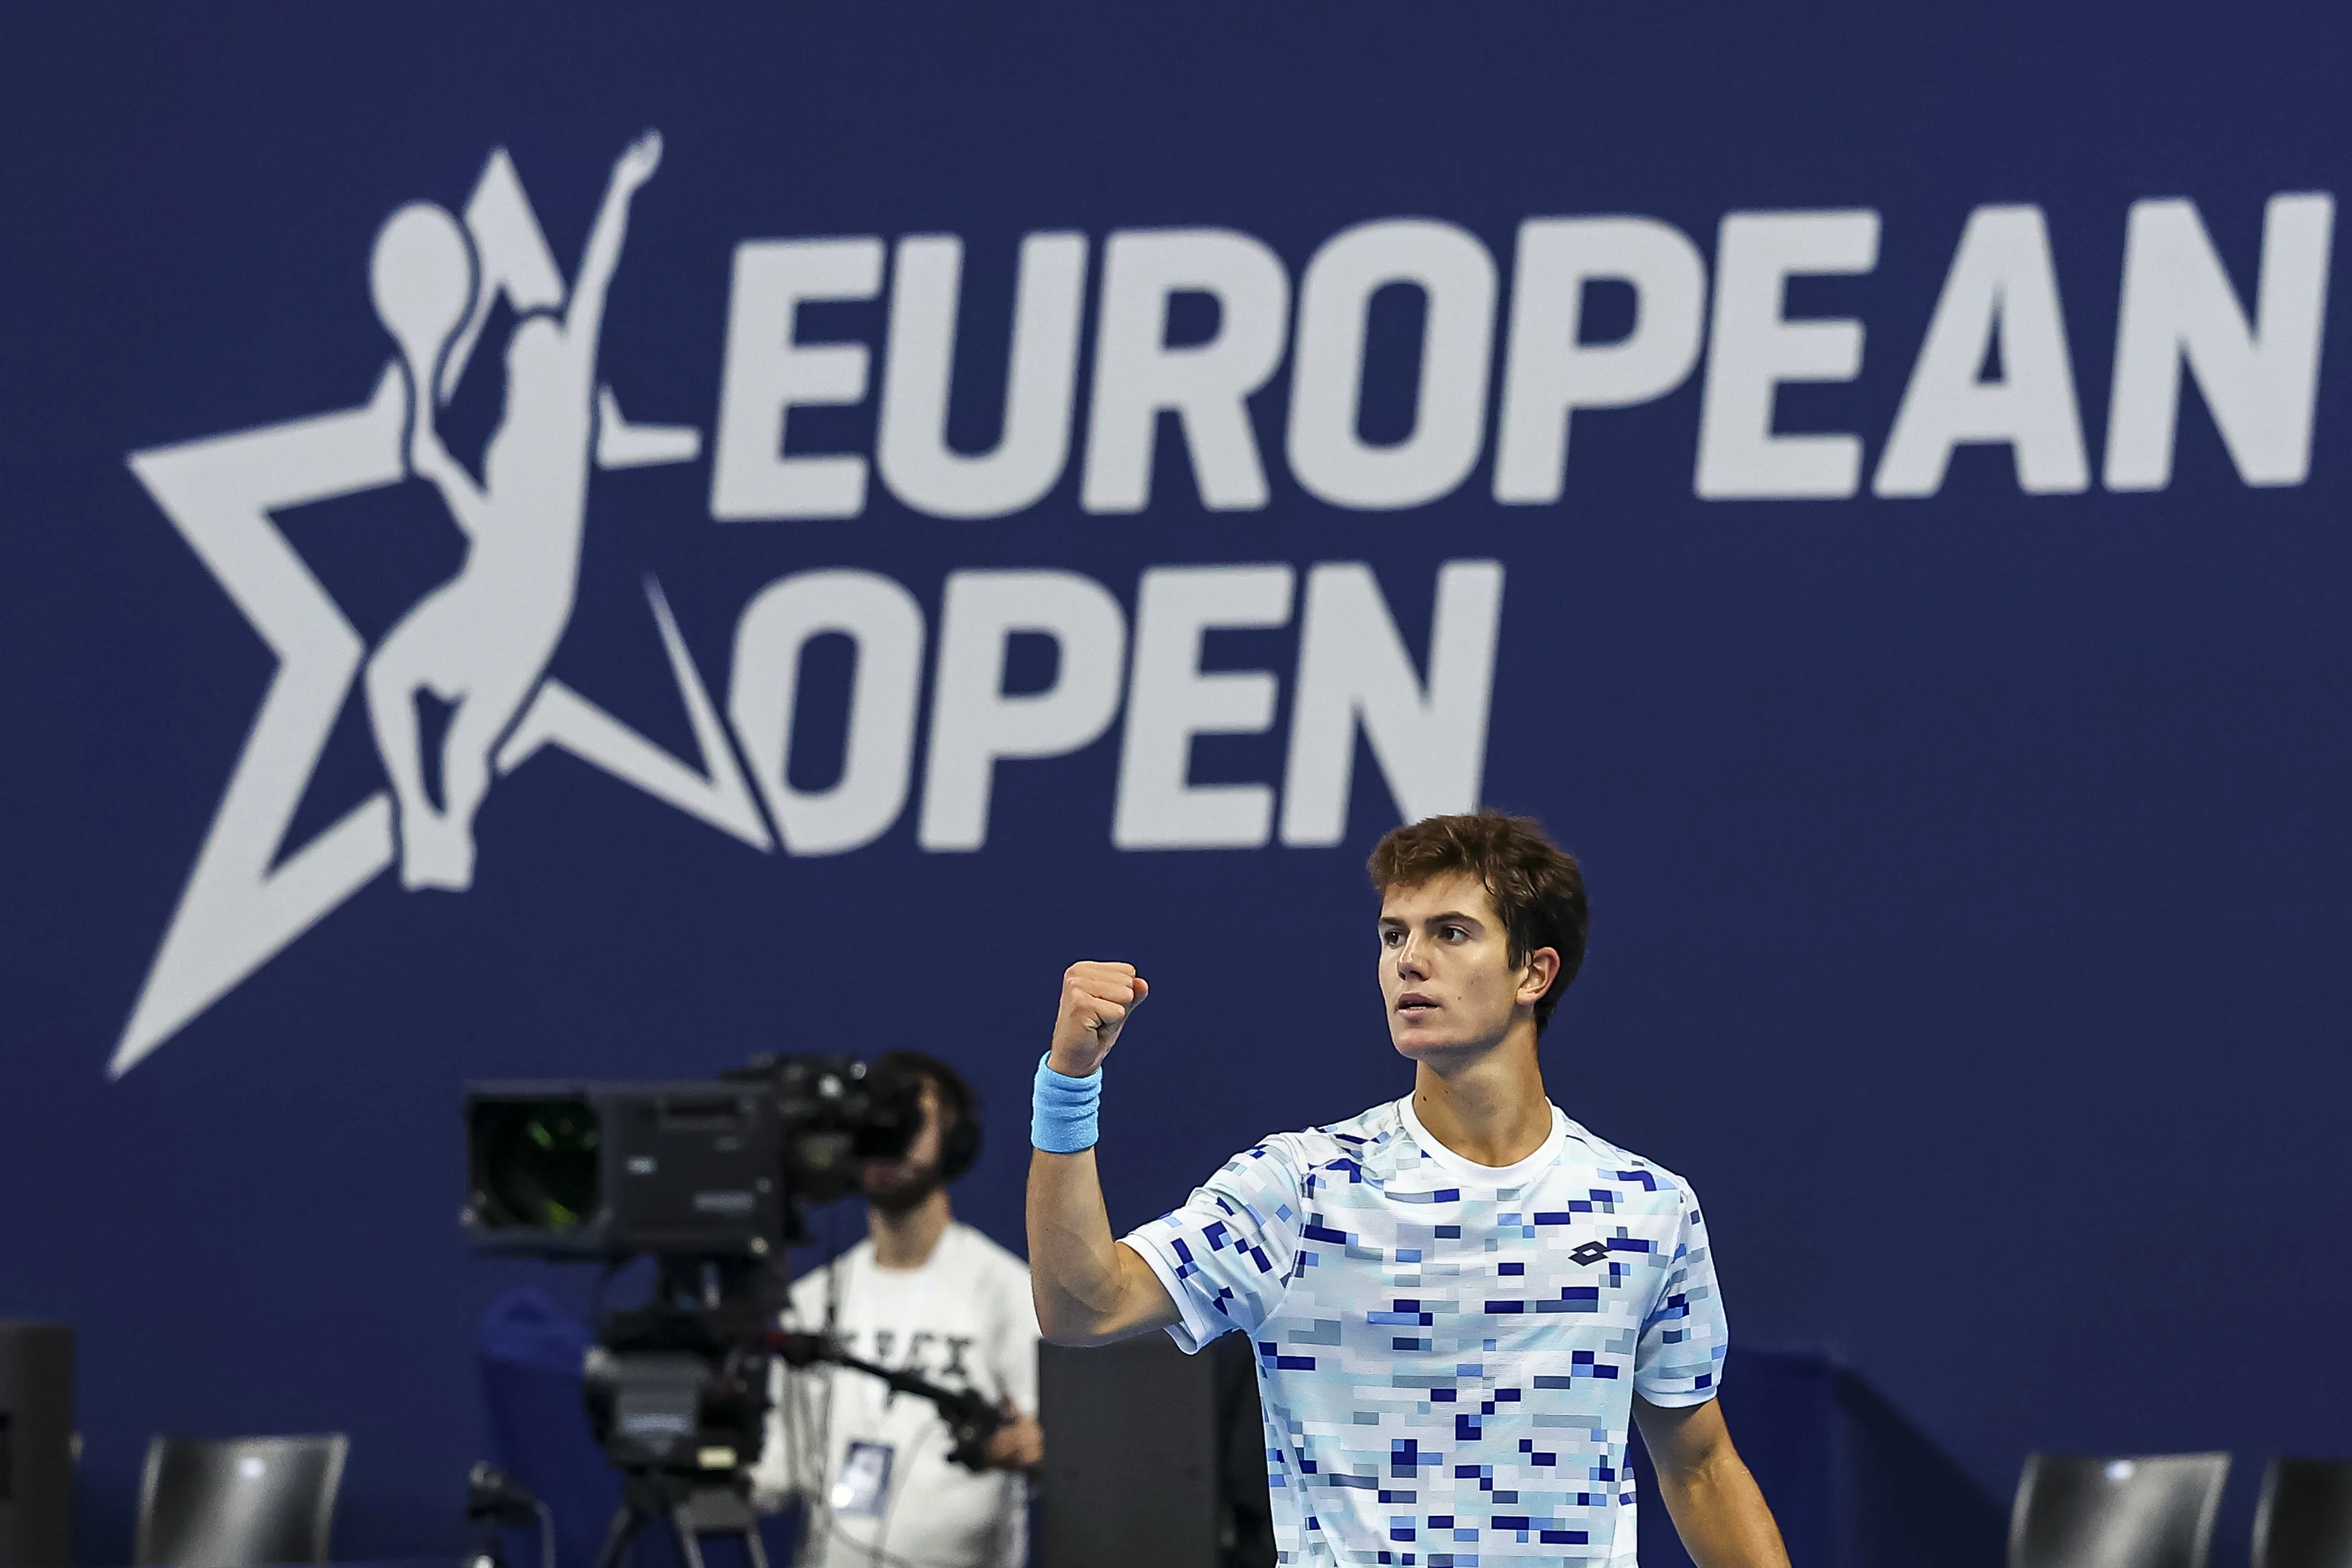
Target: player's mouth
1414,1005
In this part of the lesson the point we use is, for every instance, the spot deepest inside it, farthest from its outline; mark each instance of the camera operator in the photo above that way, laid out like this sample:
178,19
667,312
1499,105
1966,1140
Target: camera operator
924,1293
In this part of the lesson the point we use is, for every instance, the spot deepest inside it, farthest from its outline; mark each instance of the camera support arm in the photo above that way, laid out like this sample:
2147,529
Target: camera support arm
970,1418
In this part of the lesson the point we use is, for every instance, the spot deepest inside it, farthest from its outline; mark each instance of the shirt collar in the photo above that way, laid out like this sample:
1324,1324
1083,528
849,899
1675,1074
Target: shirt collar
1486,1175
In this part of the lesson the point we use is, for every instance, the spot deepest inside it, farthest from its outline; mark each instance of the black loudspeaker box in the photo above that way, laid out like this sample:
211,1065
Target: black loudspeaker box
36,1466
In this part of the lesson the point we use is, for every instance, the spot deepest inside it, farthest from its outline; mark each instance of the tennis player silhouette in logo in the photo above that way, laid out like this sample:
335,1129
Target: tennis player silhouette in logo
482,640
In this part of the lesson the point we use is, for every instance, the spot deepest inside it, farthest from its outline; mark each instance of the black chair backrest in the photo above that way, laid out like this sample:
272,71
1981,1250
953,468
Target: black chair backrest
2152,1511
2305,1519
238,1503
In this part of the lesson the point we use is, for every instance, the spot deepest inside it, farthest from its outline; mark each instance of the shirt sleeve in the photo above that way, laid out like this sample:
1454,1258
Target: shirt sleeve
1014,1354
1683,1339
1226,1257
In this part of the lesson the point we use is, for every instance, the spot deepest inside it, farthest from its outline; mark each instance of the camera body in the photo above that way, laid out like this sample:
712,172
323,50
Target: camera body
715,1170
708,1180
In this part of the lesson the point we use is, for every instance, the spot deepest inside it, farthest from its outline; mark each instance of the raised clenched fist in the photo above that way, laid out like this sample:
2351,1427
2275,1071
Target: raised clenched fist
1095,1000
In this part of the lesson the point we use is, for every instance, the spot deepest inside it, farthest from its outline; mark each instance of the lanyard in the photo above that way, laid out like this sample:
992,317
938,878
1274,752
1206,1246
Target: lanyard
904,1323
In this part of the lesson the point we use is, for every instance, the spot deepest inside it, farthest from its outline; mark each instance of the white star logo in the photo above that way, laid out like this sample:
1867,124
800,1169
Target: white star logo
481,641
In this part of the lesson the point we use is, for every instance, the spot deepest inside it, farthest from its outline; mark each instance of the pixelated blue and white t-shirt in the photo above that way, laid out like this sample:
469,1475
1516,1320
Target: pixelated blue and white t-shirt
1448,1352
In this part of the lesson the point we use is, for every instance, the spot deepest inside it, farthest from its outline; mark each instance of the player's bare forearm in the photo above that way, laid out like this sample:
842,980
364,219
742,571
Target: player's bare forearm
1716,1506
1089,1288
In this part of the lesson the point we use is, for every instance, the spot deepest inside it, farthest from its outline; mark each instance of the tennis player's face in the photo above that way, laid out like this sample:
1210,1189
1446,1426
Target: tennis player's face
1445,967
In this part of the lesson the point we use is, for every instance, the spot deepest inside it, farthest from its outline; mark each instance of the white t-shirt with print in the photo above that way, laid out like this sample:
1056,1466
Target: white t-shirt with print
1448,1353
965,1320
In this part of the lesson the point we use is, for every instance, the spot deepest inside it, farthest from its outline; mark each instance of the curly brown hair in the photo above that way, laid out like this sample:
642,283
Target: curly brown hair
1537,886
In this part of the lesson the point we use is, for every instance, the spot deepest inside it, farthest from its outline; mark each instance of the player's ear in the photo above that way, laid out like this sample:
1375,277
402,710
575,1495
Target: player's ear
1542,969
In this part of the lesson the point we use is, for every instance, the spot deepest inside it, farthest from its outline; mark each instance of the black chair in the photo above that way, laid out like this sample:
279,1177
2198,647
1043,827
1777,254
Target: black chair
238,1503
2305,1519
2147,1511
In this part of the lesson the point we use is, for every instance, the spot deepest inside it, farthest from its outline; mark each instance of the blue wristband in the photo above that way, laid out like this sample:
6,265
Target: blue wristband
1062,1108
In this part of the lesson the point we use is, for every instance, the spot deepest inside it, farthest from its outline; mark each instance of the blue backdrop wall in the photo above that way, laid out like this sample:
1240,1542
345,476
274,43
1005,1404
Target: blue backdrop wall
1948,705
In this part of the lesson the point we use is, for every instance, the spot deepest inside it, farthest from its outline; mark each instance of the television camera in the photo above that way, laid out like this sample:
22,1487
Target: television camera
711,1181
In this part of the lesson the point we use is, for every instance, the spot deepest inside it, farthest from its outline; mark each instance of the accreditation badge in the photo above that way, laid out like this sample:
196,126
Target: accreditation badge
859,1491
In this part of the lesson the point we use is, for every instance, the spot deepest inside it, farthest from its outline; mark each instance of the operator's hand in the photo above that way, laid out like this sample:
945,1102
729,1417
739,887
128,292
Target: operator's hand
1095,1000
1019,1443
